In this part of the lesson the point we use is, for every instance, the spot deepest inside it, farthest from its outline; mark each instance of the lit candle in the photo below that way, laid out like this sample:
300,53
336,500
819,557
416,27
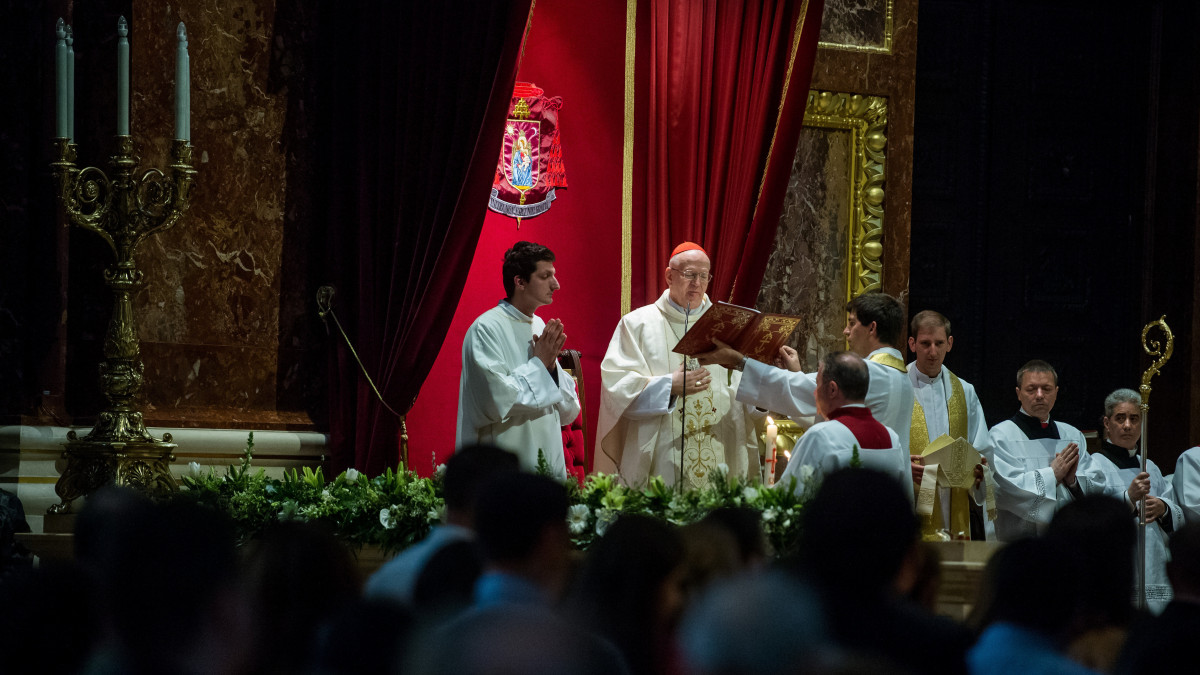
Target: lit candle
70,83
772,434
183,98
122,77
60,79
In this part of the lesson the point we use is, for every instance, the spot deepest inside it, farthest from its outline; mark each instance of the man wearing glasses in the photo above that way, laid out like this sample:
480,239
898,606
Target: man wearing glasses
651,395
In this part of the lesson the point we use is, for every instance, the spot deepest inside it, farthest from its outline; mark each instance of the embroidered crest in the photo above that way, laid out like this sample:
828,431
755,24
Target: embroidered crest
530,166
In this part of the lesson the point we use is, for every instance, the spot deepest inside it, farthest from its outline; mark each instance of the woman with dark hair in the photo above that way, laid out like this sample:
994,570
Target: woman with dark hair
629,591
1118,458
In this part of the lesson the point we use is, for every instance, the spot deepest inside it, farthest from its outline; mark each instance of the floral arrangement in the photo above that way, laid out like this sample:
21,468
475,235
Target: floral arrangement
397,508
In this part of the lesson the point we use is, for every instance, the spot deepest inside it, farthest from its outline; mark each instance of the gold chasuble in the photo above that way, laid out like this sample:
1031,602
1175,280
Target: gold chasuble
960,510
884,359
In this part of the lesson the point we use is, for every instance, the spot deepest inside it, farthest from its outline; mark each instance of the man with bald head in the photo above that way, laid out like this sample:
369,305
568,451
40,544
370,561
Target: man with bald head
849,427
651,394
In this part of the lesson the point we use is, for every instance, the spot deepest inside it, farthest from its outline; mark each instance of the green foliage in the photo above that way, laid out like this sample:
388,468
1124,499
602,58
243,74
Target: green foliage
397,508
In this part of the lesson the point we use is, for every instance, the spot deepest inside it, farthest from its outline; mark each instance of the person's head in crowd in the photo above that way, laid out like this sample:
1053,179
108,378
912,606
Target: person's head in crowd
921,581
745,525
842,379
1184,567
366,636
710,553
298,575
757,623
1100,533
521,527
1037,388
507,640
1036,587
629,588
467,471
447,582
873,320
166,581
862,516
1122,421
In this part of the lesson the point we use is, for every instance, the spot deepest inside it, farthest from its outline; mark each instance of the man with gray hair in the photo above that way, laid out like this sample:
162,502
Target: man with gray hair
1038,462
849,428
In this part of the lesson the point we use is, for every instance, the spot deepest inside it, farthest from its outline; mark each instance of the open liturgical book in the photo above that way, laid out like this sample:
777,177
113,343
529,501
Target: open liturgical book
756,334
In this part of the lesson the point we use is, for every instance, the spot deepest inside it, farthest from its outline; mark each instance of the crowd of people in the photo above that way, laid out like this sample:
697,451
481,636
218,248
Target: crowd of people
499,588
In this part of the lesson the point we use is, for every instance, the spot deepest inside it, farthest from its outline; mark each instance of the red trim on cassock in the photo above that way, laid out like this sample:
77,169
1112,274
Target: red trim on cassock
869,432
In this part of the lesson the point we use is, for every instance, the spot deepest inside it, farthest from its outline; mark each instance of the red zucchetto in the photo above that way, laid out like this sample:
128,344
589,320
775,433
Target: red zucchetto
688,246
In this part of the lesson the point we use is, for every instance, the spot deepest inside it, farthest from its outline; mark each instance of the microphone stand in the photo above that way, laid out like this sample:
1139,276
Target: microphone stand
683,401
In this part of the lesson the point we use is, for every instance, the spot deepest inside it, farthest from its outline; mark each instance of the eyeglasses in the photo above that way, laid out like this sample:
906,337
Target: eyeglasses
702,277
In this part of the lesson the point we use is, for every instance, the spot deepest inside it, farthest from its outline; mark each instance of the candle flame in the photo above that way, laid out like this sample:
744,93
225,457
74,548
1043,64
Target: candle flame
769,420
787,454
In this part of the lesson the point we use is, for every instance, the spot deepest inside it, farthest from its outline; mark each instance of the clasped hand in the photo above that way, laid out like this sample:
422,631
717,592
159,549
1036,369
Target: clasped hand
547,345
1065,463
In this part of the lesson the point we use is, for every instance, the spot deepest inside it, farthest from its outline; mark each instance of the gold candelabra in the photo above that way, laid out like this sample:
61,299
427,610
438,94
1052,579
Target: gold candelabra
122,210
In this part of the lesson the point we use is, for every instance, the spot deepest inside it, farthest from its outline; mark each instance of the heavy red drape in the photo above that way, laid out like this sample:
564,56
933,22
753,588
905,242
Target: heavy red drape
417,113
728,85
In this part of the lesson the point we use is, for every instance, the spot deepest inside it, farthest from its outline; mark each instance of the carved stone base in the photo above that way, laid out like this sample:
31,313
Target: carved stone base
91,465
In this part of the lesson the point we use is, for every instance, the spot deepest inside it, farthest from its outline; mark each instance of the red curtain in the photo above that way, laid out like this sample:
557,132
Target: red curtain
417,109
728,85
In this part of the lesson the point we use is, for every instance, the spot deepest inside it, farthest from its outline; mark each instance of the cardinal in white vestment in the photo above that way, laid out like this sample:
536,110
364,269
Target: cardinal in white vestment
1118,458
1040,464
849,427
946,405
650,396
513,394
873,325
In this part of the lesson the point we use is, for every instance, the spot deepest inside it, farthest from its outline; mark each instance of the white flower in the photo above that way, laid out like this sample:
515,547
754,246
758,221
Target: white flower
722,470
385,518
439,471
806,472
433,514
351,475
326,495
769,515
577,518
195,469
750,494
605,518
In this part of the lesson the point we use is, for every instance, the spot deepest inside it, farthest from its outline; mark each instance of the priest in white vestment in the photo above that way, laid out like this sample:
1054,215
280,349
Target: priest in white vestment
946,405
873,327
841,386
1040,464
648,395
1186,482
513,394
1118,458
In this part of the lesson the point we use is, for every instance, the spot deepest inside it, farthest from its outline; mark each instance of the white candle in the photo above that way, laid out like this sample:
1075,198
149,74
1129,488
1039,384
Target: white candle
183,99
70,83
122,77
772,434
60,79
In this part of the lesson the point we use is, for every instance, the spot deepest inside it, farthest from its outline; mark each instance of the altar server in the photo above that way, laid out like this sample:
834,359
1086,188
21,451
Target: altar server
650,395
873,327
1039,463
828,446
1186,483
513,394
1118,458
945,405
